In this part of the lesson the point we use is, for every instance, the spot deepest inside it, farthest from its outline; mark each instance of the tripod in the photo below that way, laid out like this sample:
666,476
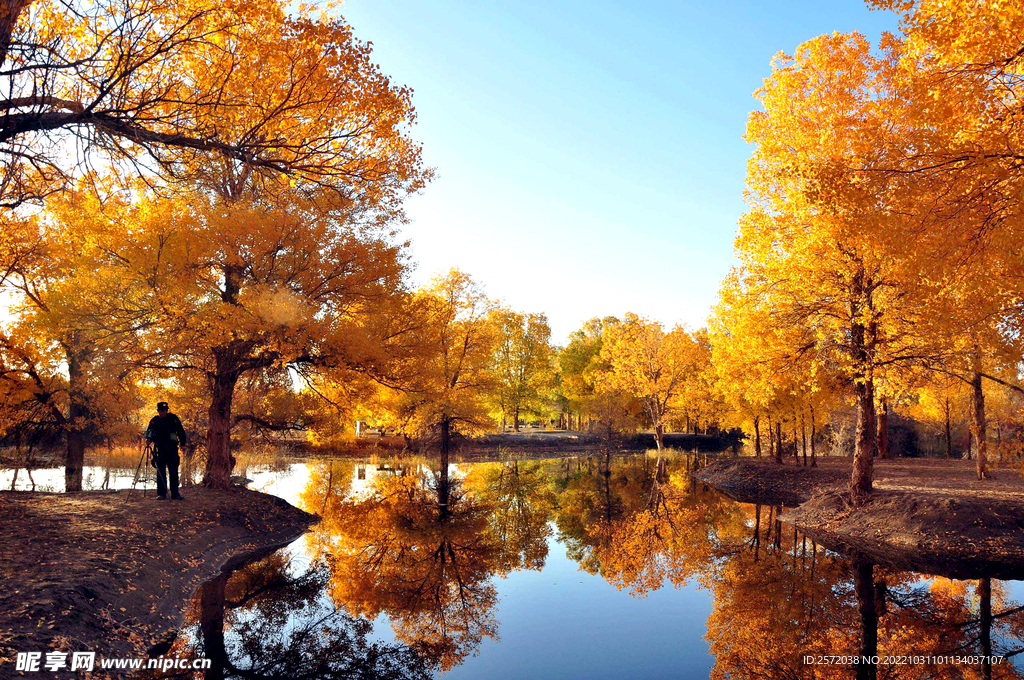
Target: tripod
147,452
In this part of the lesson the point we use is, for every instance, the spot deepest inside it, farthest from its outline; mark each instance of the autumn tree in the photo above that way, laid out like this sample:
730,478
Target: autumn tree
235,289
581,375
701,401
747,380
827,238
267,93
522,358
441,385
172,87
959,69
69,350
885,181
652,365
769,371
957,76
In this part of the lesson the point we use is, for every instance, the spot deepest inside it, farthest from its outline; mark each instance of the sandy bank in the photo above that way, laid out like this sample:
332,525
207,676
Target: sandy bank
926,515
92,572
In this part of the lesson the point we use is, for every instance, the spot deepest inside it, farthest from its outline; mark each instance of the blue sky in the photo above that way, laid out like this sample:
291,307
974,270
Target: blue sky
589,155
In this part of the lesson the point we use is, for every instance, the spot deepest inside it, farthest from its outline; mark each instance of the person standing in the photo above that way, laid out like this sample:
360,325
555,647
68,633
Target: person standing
167,434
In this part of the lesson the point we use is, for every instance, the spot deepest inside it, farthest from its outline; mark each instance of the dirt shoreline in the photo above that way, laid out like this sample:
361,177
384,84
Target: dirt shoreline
926,515
95,572
530,443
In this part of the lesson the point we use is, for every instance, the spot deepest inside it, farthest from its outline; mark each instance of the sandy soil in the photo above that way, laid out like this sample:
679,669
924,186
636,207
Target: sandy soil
928,515
92,572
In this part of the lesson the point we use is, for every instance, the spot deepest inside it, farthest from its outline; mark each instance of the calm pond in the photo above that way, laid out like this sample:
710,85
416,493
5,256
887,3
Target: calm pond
583,567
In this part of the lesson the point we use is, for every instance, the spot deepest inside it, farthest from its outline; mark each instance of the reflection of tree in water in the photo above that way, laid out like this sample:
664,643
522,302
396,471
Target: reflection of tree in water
778,596
638,521
781,597
423,549
263,622
520,500
588,493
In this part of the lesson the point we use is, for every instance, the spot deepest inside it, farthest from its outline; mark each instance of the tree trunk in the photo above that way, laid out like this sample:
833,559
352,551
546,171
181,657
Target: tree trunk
999,440
778,441
985,607
211,625
10,10
978,424
864,451
883,428
864,586
659,436
757,436
443,482
74,460
219,461
864,391
757,529
803,435
949,435
771,440
881,597
814,457
74,454
446,441
796,441
515,420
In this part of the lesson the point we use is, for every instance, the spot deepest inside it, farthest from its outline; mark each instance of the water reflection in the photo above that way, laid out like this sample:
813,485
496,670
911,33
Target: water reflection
266,621
782,599
640,522
414,554
423,549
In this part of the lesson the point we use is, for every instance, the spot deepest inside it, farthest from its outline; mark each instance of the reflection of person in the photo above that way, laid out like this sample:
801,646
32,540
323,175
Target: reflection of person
166,433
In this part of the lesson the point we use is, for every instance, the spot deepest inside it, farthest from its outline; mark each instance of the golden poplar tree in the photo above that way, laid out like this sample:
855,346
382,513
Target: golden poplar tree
652,365
825,245
441,385
522,362
70,349
172,87
236,289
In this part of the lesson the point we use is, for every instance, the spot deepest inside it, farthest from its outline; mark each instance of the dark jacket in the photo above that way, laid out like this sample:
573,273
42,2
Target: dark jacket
166,433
